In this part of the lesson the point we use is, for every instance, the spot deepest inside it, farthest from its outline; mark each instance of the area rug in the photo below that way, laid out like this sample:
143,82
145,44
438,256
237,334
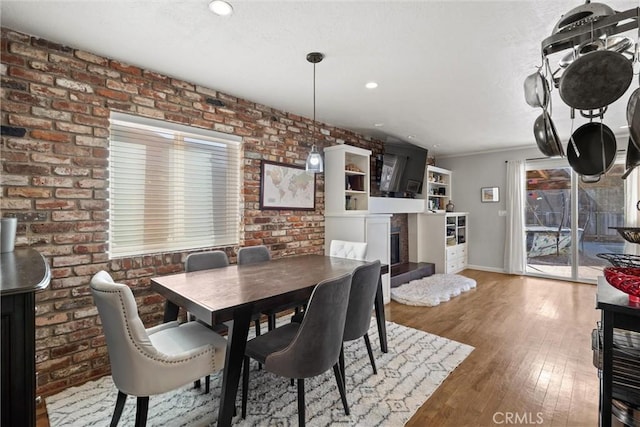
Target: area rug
416,364
432,290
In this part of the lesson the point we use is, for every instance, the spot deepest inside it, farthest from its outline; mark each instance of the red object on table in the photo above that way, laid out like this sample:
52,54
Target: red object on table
626,279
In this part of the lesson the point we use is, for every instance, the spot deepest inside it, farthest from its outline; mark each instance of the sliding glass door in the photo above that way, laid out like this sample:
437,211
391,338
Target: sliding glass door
567,221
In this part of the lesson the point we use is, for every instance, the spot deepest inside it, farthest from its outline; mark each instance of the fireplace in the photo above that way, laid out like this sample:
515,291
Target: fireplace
395,247
399,239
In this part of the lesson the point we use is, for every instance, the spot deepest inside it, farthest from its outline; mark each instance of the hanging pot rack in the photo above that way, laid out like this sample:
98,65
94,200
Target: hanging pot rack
617,23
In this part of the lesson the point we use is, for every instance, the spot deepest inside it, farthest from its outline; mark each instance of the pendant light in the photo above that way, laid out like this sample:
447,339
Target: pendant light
314,159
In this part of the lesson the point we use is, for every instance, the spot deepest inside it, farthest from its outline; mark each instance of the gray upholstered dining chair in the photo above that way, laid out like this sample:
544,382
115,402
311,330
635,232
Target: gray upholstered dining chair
307,349
364,285
253,254
150,361
206,261
346,249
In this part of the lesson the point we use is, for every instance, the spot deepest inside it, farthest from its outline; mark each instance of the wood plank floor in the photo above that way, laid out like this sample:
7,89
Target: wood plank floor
532,361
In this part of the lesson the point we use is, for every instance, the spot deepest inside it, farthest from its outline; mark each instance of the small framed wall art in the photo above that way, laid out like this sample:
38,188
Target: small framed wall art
284,186
490,194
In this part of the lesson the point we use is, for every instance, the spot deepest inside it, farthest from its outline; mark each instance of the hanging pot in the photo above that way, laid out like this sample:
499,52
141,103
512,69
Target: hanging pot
546,136
633,117
595,80
596,145
536,90
581,15
633,159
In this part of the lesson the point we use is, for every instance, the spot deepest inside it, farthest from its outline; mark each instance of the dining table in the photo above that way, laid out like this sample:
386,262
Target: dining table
237,292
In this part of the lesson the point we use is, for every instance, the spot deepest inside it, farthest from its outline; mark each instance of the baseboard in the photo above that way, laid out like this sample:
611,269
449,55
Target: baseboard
483,268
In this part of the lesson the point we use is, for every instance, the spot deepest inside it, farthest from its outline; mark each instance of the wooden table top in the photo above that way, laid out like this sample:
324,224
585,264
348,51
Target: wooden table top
213,294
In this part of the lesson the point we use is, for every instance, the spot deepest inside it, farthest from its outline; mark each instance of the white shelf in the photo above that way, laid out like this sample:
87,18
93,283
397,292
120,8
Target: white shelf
346,179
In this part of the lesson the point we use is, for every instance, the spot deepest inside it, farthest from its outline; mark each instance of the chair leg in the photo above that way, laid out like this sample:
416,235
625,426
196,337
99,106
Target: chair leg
142,407
343,394
373,361
117,413
341,364
271,322
207,385
257,322
301,414
245,385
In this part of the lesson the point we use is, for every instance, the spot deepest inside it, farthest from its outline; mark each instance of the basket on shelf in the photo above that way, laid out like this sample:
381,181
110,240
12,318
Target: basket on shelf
630,234
626,279
621,260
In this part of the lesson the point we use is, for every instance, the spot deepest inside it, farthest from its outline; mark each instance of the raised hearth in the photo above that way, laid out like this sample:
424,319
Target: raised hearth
408,271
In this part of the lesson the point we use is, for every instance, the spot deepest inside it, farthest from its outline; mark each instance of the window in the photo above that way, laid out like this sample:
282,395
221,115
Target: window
171,187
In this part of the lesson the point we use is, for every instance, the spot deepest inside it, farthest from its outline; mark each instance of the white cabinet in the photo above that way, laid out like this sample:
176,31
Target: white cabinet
437,188
373,229
440,238
346,179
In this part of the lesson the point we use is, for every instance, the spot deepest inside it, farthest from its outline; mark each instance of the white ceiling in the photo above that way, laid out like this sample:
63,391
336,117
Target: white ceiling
450,73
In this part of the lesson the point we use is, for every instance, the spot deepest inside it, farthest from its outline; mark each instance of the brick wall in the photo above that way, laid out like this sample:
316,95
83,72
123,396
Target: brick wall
56,102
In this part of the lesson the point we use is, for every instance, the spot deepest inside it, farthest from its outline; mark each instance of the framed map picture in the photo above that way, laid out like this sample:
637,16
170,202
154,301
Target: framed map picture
284,186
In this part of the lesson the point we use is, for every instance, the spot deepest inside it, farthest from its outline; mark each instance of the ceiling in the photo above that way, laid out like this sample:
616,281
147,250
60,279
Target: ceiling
450,73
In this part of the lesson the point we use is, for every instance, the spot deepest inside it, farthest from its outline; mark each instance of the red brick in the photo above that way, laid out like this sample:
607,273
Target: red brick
15,107
71,150
27,144
126,68
8,58
65,193
67,60
62,239
90,57
27,98
28,121
75,107
52,319
49,135
122,87
69,216
30,75
112,94
26,169
55,204
30,193
91,121
52,114
88,98
88,78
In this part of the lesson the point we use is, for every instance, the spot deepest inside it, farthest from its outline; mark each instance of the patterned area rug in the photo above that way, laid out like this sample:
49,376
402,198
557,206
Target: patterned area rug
416,364
432,290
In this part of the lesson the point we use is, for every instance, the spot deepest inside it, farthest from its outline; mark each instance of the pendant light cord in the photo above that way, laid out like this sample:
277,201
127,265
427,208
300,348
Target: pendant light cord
314,92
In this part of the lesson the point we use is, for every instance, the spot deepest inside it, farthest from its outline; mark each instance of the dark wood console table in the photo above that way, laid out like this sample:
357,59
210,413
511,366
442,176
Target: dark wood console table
22,273
617,312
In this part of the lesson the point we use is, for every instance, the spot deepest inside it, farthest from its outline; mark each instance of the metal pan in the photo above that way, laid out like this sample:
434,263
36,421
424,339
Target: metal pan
633,159
633,117
593,141
546,136
536,90
596,80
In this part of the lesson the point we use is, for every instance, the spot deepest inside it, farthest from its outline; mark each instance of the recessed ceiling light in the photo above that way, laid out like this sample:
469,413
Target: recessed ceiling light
371,85
378,125
220,8
436,145
411,136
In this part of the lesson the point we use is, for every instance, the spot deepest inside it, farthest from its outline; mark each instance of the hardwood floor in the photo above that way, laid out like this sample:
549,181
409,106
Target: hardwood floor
532,361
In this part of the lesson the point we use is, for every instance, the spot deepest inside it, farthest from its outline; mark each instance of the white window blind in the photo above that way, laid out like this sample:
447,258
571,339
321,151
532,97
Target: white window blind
171,187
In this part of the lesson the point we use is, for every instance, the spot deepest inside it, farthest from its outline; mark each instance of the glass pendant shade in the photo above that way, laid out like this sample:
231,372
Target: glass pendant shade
314,161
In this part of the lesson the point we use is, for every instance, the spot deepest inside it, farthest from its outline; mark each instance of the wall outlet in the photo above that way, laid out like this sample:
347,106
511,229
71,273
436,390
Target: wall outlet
502,213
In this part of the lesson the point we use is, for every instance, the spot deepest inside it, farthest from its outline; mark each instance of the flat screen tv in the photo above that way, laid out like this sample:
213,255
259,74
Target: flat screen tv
403,166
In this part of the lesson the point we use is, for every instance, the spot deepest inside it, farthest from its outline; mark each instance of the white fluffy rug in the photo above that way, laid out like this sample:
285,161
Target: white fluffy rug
432,290
416,364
